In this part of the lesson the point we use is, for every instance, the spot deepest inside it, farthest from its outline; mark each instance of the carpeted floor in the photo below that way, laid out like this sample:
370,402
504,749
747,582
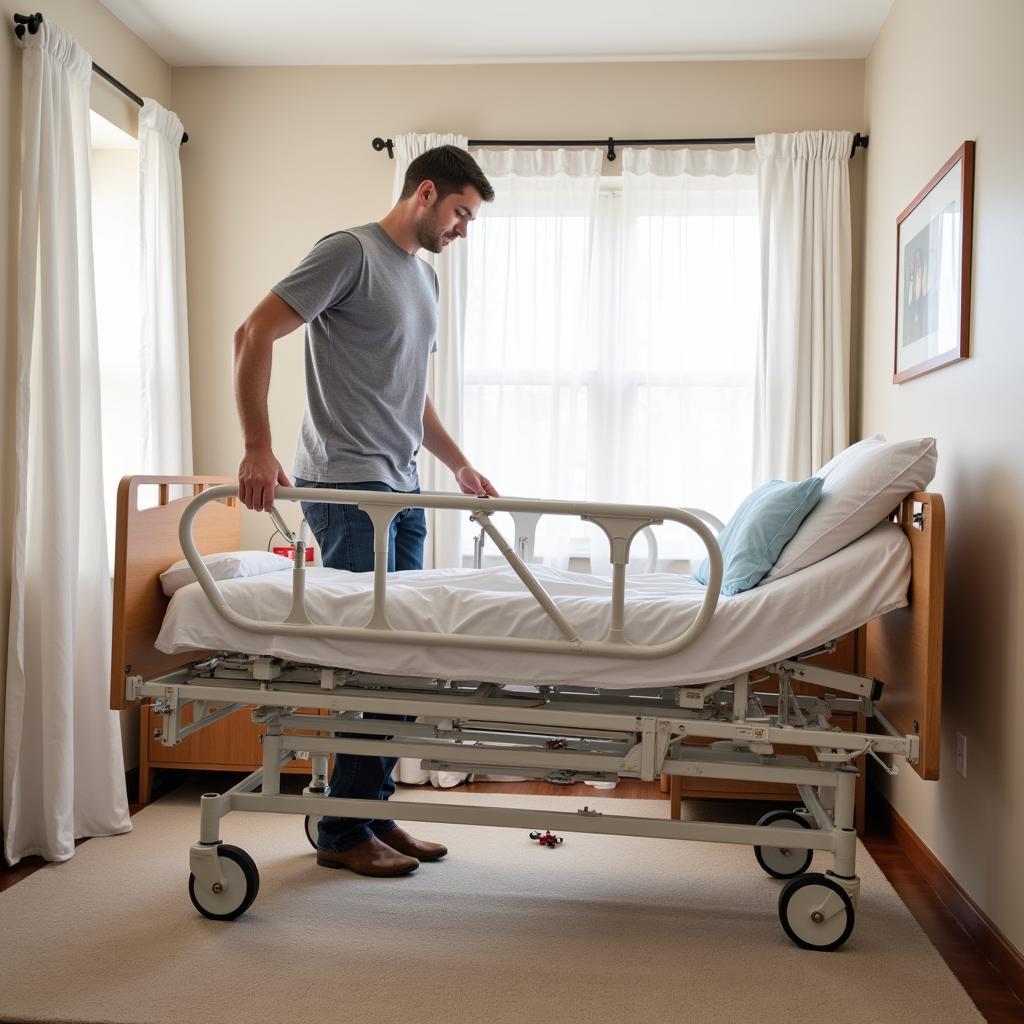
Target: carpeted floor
601,928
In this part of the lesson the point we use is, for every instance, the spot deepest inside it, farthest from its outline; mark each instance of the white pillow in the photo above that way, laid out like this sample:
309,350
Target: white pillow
224,565
863,484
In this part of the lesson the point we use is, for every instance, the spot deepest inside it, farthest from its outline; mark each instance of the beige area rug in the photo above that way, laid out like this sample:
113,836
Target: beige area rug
600,929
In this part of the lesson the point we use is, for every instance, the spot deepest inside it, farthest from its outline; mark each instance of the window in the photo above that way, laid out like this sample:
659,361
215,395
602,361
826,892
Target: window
115,216
611,352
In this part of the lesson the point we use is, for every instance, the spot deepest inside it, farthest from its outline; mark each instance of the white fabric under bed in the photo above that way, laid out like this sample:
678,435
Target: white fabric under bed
777,620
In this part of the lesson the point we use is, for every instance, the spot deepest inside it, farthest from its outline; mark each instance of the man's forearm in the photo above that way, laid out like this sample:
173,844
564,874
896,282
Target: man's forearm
439,442
253,358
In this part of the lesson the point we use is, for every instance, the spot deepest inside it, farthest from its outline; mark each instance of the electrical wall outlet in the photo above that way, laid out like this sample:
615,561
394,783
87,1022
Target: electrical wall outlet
961,754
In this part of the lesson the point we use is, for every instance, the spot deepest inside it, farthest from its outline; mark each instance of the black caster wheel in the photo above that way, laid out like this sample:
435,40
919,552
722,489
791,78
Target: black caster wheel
312,828
783,862
816,912
232,898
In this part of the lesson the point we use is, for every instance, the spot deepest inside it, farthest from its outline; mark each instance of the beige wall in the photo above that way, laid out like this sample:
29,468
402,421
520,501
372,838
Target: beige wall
943,71
127,58
279,157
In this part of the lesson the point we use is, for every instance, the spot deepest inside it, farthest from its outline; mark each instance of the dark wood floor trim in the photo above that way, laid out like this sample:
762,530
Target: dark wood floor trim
991,942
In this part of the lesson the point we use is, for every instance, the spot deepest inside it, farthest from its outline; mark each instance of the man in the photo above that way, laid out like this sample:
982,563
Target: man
370,306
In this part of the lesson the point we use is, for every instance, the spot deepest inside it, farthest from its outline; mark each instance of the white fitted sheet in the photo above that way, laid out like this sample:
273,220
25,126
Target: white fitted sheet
773,621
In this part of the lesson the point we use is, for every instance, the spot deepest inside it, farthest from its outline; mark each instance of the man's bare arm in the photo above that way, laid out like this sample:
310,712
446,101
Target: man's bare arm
439,443
259,472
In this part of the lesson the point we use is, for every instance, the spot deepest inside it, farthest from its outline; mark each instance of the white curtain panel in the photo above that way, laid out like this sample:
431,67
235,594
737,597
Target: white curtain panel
445,382
681,340
530,360
803,369
63,768
166,409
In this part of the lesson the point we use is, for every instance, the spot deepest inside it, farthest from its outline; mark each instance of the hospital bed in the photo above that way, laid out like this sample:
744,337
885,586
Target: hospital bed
526,670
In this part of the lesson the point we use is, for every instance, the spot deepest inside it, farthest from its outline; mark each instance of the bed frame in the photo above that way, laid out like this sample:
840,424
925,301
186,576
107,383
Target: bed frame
579,732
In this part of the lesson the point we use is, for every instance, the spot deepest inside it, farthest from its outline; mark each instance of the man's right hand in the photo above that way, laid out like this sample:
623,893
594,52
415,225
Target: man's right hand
258,475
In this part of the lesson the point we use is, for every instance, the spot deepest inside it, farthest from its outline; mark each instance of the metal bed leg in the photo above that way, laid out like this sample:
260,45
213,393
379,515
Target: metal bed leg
318,784
224,880
272,744
740,697
818,911
212,807
846,836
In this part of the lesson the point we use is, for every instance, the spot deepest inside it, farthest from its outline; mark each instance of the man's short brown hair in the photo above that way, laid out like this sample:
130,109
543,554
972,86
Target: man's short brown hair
450,169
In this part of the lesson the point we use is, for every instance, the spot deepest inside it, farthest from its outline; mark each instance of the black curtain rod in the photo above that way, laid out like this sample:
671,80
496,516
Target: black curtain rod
31,22
388,144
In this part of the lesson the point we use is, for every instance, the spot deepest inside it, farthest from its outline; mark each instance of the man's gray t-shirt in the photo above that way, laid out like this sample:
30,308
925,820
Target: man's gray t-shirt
371,314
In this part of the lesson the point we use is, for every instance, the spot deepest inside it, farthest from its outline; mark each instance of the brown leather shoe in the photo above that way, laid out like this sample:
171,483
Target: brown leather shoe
370,857
400,840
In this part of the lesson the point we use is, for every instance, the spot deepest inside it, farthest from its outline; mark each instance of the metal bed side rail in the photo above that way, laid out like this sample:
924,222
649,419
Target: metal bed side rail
524,525
620,524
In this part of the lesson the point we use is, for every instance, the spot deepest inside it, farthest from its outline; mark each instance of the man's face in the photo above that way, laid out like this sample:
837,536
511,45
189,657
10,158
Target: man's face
444,220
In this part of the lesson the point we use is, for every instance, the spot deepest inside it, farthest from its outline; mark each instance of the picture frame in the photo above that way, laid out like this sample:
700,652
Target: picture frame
934,237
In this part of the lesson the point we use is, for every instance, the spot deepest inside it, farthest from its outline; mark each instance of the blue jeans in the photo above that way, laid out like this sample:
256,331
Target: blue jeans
345,536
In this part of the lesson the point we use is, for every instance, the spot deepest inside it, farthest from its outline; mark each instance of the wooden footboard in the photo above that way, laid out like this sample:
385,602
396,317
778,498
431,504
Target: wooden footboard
147,543
904,648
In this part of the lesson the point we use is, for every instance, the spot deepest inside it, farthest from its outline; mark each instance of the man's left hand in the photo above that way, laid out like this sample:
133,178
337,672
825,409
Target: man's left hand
472,482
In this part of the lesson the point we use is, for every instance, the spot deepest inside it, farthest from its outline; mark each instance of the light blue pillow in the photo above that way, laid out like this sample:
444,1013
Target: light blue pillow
758,531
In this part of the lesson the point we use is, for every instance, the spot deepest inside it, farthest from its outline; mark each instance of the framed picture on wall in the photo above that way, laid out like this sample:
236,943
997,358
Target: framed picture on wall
933,271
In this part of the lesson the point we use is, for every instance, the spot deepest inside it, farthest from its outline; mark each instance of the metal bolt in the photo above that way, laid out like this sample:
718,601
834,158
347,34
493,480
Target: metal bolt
218,888
817,917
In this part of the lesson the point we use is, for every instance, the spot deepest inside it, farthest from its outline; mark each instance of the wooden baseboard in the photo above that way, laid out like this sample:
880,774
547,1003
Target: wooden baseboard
993,944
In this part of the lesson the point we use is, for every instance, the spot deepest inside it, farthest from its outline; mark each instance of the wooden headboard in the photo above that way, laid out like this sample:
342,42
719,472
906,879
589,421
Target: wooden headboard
904,648
151,535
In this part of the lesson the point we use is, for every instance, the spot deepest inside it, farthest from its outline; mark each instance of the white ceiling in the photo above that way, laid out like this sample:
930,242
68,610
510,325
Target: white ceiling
270,32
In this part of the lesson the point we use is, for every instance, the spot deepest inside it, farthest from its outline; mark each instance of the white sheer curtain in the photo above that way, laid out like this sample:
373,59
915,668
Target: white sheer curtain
611,335
802,405
445,382
166,409
679,356
531,363
63,768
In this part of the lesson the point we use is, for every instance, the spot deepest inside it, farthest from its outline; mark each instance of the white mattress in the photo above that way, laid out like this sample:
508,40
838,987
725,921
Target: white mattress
777,620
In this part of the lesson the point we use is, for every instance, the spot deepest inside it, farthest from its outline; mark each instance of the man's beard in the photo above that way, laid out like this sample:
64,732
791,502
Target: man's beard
430,238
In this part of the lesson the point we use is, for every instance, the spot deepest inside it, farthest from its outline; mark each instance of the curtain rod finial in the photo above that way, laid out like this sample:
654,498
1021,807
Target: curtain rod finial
388,144
29,21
